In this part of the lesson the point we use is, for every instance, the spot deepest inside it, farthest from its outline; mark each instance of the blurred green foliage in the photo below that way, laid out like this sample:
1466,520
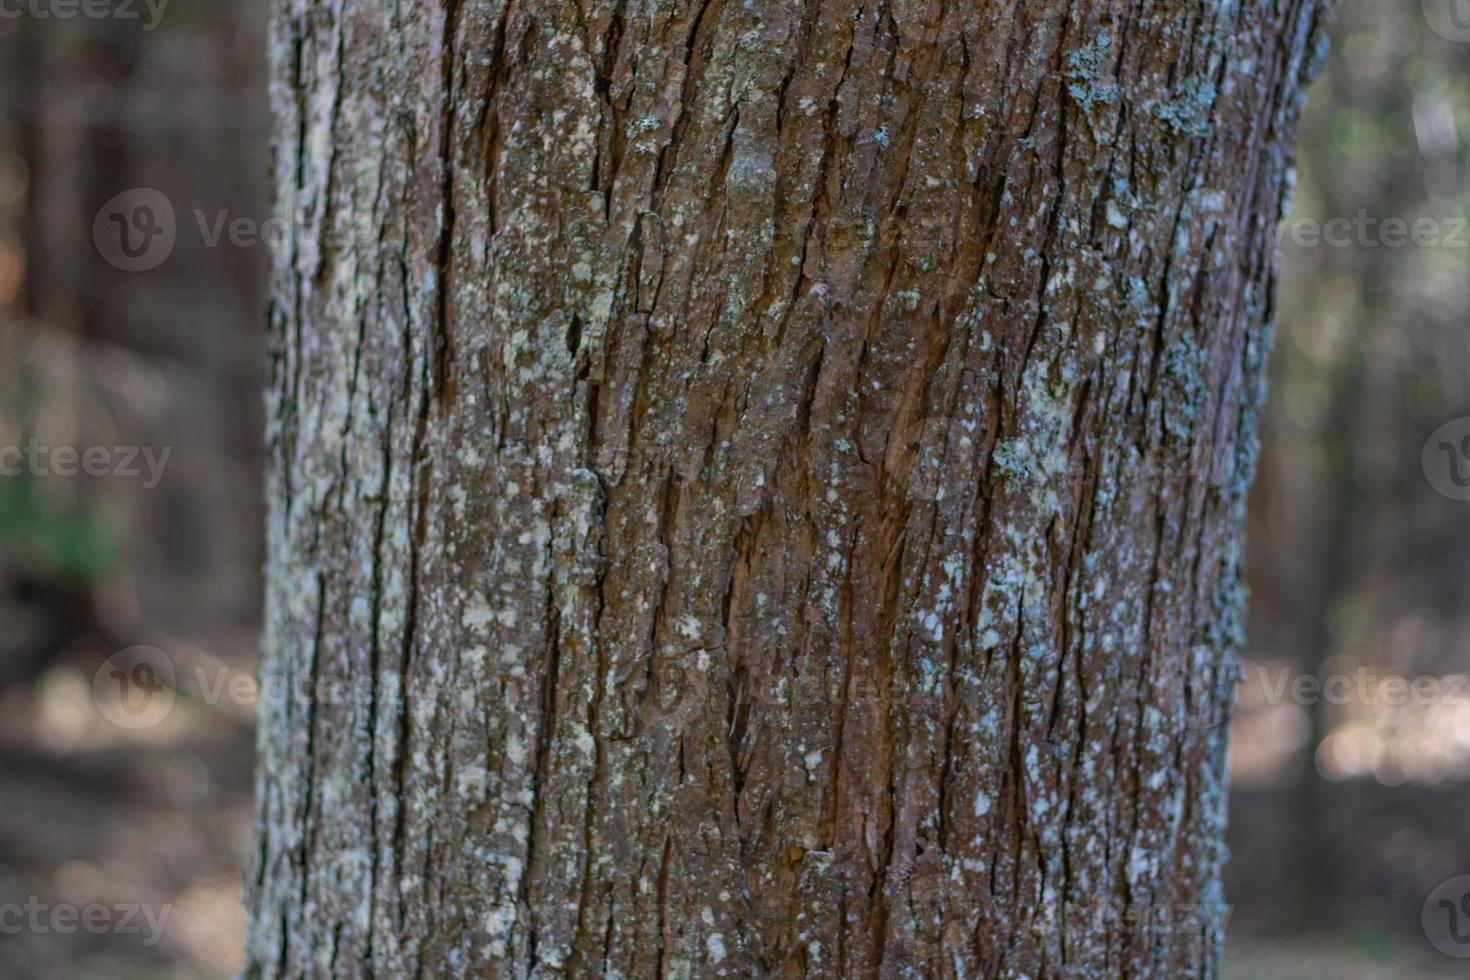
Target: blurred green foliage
48,539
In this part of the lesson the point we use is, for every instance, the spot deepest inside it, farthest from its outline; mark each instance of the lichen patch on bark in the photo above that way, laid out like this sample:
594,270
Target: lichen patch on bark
780,465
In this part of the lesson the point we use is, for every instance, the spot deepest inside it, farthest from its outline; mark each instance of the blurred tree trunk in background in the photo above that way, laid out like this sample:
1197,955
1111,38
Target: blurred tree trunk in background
98,99
756,487
169,357
1359,553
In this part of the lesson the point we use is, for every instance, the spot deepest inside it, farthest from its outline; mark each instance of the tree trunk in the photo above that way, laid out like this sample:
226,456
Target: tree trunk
757,486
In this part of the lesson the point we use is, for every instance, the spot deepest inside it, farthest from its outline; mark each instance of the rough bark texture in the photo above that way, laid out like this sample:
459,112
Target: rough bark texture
769,475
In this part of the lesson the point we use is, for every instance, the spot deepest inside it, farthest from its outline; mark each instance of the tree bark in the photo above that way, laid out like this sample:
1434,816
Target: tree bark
757,486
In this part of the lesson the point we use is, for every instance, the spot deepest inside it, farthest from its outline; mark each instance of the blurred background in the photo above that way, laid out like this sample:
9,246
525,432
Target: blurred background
98,814
1350,800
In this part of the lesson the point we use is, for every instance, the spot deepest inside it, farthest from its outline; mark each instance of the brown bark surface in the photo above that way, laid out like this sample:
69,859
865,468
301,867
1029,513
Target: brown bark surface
763,481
